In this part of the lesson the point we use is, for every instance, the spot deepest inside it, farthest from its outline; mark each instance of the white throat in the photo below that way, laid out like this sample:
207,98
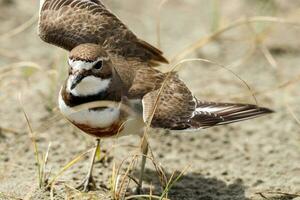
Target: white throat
90,85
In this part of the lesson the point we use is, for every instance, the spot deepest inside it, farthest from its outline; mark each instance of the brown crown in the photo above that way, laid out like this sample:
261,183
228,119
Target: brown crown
87,52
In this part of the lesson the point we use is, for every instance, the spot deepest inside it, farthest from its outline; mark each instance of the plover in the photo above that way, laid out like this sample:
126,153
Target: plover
108,62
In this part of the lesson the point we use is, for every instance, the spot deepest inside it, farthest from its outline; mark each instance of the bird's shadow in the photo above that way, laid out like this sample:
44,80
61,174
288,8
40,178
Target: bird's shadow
193,186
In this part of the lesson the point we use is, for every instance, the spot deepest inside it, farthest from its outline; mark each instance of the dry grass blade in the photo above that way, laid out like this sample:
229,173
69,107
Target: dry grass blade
262,195
151,192
129,169
293,114
9,130
283,195
159,170
52,193
45,162
67,166
118,179
167,188
20,28
290,82
35,146
259,40
288,107
172,182
158,22
267,91
203,41
145,196
113,181
269,56
216,16
219,65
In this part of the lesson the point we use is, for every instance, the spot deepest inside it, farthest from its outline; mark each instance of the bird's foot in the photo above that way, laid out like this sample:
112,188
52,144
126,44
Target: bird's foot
87,184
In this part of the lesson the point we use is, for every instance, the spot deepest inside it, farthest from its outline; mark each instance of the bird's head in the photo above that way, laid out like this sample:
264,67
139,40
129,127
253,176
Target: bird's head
90,70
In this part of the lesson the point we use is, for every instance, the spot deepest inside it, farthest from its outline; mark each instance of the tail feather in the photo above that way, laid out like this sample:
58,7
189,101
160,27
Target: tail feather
211,114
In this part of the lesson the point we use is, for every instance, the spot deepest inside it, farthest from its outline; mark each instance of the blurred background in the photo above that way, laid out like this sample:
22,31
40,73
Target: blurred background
256,44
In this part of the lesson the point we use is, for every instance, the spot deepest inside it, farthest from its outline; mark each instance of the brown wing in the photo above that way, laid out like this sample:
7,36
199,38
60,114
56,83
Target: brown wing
146,80
175,104
68,23
178,109
177,112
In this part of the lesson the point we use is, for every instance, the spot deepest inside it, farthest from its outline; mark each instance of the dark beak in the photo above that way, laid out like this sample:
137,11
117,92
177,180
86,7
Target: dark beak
77,79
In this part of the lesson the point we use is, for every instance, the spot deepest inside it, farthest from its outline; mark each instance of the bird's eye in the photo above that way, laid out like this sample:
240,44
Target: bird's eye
98,65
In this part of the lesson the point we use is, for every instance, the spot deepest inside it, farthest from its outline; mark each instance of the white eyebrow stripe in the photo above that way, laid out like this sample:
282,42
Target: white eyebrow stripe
81,64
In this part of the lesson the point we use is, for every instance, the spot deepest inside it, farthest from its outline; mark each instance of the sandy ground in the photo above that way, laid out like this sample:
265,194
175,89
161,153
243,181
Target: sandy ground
233,162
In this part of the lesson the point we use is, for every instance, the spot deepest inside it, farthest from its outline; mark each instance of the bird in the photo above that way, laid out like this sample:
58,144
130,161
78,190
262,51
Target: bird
107,62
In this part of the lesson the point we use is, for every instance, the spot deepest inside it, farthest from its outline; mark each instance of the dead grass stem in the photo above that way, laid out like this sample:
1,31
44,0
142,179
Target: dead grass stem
158,22
145,196
251,91
281,86
205,40
66,167
9,130
288,106
292,113
172,181
35,146
283,195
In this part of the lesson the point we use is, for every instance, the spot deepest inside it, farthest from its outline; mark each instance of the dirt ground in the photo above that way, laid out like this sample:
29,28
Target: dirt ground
257,159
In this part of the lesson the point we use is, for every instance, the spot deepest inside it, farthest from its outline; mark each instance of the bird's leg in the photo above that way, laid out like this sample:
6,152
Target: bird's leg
144,149
88,182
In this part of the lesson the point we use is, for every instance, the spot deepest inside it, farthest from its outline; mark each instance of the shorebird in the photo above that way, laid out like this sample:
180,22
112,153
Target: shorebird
108,62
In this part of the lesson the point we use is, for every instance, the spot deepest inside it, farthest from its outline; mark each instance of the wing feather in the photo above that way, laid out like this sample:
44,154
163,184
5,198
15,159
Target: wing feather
68,23
209,114
177,109
173,107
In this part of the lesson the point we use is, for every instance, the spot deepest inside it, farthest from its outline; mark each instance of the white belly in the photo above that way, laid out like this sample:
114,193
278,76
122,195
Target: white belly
94,118
103,118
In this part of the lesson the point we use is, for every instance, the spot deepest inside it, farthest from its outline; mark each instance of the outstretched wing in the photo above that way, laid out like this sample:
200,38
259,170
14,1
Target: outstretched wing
68,23
174,107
